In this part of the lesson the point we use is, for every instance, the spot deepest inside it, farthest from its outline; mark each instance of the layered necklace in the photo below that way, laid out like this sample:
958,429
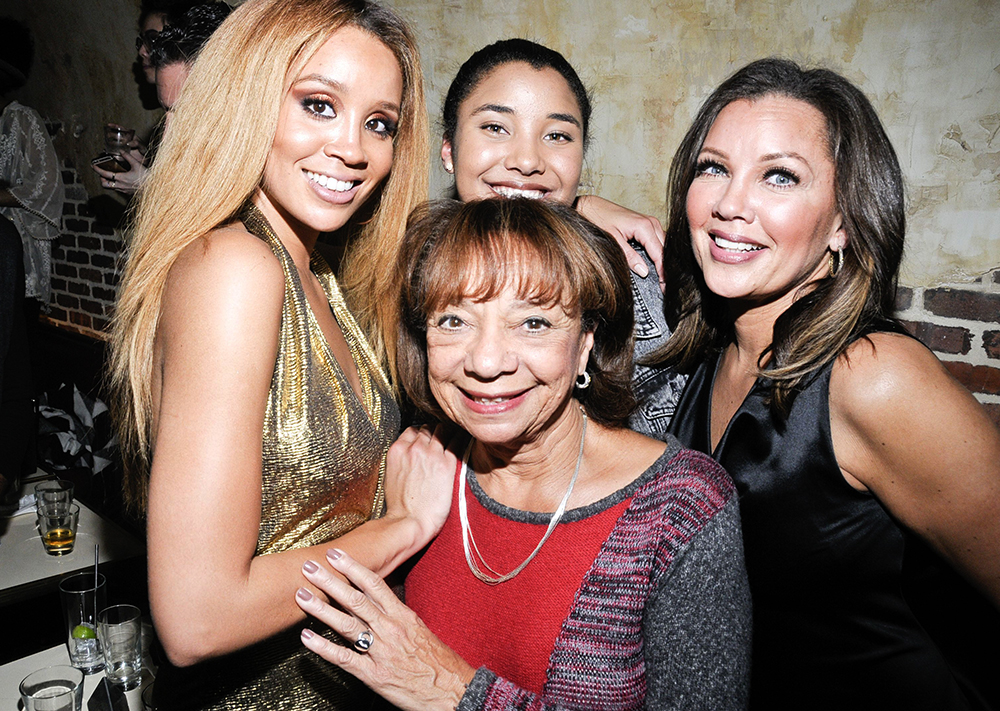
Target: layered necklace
469,542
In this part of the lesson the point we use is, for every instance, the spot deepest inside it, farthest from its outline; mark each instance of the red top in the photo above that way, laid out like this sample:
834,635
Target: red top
509,628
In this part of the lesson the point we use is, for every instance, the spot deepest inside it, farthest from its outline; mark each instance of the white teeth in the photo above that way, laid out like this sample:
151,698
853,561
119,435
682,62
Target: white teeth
490,400
340,186
735,246
517,192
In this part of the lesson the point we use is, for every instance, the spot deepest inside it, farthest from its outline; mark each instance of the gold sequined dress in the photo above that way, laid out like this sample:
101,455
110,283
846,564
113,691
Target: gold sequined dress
323,464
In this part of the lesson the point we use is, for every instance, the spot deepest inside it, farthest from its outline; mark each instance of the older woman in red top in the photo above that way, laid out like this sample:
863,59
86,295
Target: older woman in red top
582,564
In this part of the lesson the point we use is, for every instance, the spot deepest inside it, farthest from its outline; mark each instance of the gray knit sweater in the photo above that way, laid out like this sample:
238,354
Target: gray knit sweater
662,620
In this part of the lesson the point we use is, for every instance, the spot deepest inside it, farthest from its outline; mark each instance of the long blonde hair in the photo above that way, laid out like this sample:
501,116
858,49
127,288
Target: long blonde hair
212,161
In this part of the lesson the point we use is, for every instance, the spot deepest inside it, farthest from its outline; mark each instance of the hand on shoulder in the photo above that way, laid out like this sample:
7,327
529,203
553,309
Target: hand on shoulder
624,225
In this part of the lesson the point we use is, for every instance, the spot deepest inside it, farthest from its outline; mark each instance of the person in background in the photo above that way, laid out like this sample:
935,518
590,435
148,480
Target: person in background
176,48
168,42
254,416
582,565
31,205
517,123
851,445
152,19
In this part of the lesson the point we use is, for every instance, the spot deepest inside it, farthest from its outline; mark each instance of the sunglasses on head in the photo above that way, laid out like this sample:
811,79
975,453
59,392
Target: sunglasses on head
145,39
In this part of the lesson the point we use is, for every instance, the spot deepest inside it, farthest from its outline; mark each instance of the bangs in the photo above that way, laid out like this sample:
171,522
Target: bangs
547,255
466,263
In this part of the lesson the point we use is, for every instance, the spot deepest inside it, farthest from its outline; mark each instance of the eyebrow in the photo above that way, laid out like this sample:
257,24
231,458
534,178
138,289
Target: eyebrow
495,108
502,109
568,118
339,87
764,158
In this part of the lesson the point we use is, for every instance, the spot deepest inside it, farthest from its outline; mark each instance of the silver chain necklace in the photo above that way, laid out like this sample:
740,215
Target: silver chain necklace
469,542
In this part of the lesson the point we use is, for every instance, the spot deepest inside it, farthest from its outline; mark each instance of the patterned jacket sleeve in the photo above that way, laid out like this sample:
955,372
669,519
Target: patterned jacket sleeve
696,620
697,625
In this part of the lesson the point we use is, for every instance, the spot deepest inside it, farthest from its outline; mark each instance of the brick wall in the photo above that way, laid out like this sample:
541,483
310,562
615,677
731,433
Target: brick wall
84,265
961,324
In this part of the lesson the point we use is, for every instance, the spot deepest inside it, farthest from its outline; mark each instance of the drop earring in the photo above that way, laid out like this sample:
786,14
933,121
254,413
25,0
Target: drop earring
838,264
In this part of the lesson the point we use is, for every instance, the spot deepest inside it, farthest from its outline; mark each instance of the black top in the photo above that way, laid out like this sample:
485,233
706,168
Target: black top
832,627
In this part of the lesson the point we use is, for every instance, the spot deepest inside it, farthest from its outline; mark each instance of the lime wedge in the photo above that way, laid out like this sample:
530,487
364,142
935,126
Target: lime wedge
84,632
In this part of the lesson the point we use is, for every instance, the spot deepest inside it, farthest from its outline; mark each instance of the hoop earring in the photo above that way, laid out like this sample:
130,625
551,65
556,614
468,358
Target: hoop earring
583,380
838,264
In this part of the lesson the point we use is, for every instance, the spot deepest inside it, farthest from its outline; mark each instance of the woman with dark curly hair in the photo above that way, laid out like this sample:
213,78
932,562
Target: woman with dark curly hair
582,564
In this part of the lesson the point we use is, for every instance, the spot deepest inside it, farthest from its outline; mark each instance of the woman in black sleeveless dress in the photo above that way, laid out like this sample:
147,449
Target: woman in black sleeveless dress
866,473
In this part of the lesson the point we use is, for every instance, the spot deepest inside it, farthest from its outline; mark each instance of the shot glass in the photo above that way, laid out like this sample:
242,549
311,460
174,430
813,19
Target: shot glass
53,689
56,491
82,598
57,524
117,138
119,628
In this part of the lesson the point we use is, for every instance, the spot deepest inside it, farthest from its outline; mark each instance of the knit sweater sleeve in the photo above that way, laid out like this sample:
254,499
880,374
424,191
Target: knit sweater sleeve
697,624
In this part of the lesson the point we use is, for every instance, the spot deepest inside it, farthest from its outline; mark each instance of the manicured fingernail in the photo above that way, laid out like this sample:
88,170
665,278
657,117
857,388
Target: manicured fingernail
641,269
334,553
303,595
307,633
310,567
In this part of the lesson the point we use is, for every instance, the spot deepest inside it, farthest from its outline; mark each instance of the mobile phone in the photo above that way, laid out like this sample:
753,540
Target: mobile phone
116,164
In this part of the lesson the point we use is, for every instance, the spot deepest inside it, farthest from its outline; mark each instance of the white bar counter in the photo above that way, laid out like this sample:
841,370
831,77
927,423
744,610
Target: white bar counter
26,570
12,674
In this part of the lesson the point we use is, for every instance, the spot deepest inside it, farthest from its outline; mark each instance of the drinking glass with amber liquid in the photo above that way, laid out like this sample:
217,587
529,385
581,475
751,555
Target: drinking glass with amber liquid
57,524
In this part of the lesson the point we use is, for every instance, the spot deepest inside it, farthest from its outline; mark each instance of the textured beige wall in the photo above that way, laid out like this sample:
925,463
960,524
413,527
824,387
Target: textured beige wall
930,67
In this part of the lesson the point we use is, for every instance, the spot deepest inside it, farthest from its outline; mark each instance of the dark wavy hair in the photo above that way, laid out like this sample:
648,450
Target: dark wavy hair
868,186
184,35
481,63
550,254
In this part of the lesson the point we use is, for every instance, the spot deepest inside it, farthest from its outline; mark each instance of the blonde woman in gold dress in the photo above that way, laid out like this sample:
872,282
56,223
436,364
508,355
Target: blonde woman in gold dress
255,415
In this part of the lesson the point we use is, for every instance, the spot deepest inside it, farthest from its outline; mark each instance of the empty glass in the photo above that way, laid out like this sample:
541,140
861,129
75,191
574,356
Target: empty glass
117,138
119,628
57,688
56,491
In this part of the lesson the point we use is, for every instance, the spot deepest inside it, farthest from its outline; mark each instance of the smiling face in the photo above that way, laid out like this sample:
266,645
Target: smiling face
519,134
334,142
504,369
762,205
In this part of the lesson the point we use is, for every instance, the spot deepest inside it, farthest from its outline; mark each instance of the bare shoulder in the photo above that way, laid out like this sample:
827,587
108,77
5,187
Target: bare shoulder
890,397
222,269
907,431
875,371
229,249
219,328
224,292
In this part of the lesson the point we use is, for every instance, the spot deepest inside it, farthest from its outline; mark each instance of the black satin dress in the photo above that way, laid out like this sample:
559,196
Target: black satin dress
834,627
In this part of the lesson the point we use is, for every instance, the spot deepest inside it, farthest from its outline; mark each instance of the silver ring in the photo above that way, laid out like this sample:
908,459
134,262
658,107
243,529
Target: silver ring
113,181
364,642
